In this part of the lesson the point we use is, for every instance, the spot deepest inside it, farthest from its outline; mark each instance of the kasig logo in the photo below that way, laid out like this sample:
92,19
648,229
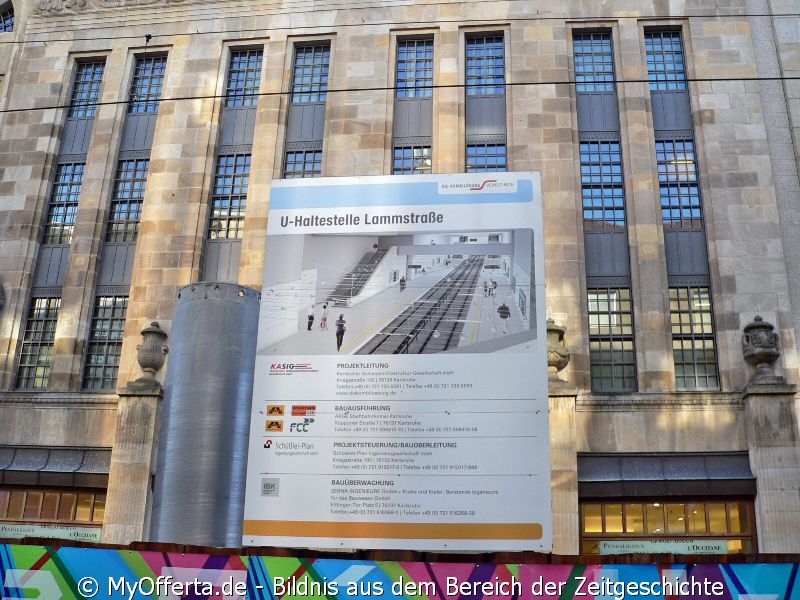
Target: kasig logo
302,426
285,368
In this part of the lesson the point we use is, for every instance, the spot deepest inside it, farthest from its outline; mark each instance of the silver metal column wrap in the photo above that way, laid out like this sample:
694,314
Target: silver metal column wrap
202,449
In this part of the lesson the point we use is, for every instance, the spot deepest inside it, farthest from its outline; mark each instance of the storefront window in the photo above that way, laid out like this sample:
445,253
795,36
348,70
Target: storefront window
694,527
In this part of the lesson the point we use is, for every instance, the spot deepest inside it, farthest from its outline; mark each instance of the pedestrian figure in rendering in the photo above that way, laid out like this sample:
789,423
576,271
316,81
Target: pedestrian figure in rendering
323,321
402,283
340,329
504,312
494,288
310,317
485,289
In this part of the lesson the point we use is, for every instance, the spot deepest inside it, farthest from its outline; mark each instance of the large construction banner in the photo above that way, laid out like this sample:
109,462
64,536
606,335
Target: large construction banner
400,393
80,573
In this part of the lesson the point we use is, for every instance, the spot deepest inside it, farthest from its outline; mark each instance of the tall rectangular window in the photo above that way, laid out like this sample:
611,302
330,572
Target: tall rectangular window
414,68
611,349
601,186
594,62
310,77
483,158
411,160
86,89
229,201
485,69
63,205
302,164
665,66
678,184
148,81
126,203
37,343
244,78
105,343
693,347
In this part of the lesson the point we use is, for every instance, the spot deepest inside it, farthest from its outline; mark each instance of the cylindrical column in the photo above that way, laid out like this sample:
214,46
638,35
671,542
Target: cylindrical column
202,450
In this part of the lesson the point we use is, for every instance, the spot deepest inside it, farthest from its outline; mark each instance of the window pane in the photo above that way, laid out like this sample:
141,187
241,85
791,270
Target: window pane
594,62
16,504
676,522
696,513
33,505
99,508
485,69
693,347
63,204
738,516
483,158
244,78
717,522
148,80
229,200
302,164
127,200
613,518
592,518
414,69
665,65
50,506
655,517
84,508
105,342
66,507
310,81
611,351
37,343
86,89
634,518
411,160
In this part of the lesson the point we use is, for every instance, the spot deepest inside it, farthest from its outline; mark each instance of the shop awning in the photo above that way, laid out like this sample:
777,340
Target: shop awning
54,466
605,475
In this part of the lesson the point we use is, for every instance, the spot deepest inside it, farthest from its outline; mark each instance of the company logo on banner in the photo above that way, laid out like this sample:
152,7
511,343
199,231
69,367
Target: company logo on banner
472,184
402,330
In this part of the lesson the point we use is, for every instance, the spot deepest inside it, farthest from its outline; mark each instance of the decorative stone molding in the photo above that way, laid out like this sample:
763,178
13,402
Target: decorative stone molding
52,7
760,348
557,352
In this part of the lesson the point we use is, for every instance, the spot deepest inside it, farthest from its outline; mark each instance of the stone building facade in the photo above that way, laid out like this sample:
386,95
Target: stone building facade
665,135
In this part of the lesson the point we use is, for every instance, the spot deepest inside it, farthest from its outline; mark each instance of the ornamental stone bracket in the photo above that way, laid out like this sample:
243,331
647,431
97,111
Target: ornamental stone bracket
557,352
760,349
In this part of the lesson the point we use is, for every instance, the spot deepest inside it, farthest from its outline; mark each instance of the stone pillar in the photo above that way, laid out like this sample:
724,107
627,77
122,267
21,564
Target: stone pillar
564,465
774,442
563,445
135,444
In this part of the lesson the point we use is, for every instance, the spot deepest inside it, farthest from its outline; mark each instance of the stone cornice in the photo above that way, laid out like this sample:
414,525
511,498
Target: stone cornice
660,401
43,399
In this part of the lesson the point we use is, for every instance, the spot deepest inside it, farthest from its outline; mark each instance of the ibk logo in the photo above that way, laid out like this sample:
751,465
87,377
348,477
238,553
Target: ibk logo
302,426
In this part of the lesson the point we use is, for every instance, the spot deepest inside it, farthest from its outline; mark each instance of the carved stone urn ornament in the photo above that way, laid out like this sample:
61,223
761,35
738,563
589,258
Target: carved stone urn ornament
760,348
557,352
152,351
